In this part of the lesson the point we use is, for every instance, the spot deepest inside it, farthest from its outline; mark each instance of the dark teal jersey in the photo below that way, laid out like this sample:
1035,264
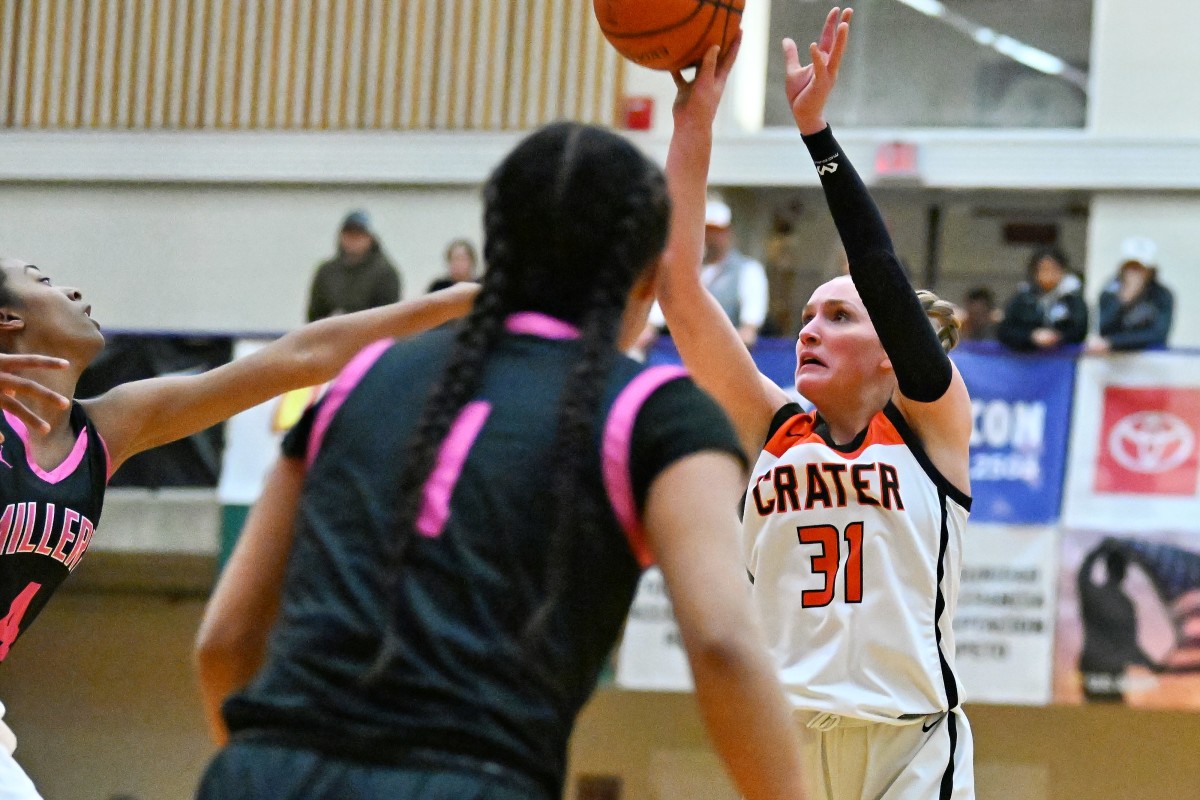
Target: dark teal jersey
464,681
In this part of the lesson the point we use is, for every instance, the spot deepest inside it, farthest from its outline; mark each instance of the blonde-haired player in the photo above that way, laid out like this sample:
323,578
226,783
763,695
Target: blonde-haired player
855,512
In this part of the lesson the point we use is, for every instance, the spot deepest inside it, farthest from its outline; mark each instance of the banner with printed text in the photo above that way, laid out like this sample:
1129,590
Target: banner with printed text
651,656
1135,459
1004,625
1021,417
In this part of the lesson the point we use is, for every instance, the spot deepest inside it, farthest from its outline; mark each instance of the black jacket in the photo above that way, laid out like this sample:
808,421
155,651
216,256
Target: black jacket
1062,309
1143,322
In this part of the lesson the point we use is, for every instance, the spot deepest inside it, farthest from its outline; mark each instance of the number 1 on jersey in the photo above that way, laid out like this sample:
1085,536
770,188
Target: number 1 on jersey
827,561
10,625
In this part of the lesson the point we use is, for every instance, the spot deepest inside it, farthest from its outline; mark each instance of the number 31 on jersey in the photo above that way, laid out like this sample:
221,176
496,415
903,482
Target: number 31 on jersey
829,557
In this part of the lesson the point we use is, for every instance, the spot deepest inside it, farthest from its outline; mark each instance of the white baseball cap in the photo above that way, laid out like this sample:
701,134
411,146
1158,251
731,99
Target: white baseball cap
717,214
1139,249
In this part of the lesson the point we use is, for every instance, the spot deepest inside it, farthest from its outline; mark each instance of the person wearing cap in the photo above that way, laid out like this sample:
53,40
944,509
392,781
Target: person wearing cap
359,276
1135,309
736,281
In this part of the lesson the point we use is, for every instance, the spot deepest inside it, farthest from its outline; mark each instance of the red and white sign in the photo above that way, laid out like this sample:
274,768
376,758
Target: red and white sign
1148,441
1134,462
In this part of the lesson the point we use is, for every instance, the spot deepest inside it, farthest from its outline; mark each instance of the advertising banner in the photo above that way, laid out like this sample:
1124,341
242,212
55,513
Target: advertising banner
1021,412
1004,626
253,439
651,657
1129,619
1021,416
1135,460
774,357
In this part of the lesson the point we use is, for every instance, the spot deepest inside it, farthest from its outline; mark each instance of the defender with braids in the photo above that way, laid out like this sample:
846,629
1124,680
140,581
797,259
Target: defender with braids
855,513
459,526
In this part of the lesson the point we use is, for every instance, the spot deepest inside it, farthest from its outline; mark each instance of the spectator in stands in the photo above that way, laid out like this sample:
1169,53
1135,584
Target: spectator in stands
461,261
359,276
979,315
1048,310
1135,309
736,281
783,258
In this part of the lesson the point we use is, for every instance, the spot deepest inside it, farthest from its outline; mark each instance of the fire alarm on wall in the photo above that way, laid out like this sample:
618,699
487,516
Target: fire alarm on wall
638,113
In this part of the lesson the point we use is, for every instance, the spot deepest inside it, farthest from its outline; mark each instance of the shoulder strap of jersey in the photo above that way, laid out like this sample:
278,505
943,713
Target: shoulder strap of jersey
913,443
616,450
97,454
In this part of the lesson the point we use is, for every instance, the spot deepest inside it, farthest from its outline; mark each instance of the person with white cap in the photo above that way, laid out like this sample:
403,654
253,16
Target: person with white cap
738,282
1135,309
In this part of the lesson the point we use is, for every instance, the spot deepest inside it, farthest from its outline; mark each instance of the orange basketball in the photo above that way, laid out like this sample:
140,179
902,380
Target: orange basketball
668,34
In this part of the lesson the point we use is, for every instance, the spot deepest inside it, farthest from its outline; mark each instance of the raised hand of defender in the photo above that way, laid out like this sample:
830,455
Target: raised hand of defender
808,86
14,387
697,100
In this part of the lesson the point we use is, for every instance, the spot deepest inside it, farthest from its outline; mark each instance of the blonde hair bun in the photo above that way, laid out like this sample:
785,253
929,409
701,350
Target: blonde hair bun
941,315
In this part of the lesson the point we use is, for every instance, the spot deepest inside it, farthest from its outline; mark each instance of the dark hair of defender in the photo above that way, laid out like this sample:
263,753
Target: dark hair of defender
572,217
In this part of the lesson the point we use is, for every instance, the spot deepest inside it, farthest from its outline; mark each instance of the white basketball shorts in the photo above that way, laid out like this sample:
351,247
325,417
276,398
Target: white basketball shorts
848,759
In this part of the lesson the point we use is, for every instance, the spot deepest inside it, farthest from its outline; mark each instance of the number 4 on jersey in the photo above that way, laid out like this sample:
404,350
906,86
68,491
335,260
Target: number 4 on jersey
10,626
826,562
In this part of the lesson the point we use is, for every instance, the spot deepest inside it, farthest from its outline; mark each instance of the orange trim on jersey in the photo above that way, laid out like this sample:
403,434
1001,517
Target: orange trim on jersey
800,429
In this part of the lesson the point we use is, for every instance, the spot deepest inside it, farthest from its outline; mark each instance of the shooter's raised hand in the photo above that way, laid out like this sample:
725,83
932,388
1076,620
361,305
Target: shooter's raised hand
808,86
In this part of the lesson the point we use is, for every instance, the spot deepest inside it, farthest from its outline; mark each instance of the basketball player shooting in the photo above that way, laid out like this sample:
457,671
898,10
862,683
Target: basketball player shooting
855,512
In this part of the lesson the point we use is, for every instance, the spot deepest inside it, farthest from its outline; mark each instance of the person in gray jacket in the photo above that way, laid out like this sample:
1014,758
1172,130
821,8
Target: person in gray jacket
736,281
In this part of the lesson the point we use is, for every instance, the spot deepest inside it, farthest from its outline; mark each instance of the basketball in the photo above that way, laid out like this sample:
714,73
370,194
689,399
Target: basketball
668,34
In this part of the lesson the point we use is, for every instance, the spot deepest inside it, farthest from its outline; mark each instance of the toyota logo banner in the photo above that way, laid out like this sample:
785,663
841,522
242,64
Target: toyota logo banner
1136,444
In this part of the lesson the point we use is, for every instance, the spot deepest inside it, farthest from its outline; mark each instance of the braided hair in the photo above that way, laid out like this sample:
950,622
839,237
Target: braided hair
573,216
942,316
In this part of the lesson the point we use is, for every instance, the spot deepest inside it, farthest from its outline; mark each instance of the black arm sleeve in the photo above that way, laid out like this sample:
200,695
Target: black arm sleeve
677,420
923,369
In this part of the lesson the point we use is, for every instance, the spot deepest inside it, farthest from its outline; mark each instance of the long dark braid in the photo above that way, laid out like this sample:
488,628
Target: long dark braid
576,516
460,381
572,217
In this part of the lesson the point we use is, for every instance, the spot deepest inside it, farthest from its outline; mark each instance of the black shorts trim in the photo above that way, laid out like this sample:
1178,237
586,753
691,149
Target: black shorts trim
398,756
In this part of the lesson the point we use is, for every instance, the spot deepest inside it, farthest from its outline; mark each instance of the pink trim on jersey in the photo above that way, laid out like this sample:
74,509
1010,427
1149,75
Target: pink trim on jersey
435,495
339,390
618,439
543,325
108,467
68,464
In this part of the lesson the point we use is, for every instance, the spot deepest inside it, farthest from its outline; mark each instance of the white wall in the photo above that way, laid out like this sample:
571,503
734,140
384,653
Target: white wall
1173,221
218,257
1144,68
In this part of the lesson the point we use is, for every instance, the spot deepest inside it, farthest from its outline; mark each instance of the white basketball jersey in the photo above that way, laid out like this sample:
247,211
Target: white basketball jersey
854,553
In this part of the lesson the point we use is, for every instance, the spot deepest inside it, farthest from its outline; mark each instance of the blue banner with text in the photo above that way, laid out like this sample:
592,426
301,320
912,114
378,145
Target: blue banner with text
1021,420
